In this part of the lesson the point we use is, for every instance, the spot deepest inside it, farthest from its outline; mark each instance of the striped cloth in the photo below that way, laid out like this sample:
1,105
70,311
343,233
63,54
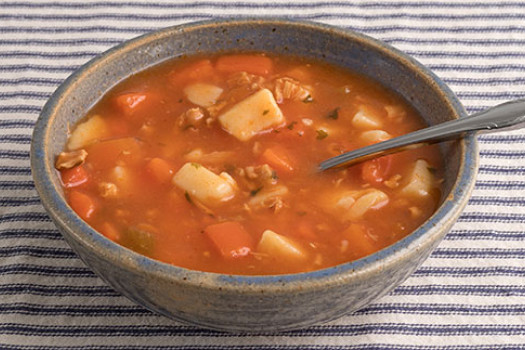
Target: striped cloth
470,294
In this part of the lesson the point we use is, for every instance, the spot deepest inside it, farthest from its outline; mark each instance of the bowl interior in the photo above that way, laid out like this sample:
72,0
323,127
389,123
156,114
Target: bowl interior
427,94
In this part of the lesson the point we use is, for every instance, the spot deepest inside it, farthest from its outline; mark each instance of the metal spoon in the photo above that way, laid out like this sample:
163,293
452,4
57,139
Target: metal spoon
506,116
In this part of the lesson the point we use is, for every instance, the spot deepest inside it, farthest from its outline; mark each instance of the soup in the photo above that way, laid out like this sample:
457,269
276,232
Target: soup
210,163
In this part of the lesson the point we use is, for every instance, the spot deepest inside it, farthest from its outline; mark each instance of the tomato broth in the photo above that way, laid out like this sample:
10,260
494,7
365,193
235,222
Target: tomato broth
210,163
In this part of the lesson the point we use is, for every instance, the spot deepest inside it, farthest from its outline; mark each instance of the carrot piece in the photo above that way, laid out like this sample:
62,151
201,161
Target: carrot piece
305,229
359,240
277,157
82,204
74,177
128,104
197,71
105,154
230,238
161,170
110,231
254,64
375,171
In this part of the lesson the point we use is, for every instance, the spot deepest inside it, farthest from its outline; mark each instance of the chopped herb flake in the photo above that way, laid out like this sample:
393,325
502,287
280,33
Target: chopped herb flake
254,192
266,111
321,134
196,165
333,114
291,125
308,99
187,196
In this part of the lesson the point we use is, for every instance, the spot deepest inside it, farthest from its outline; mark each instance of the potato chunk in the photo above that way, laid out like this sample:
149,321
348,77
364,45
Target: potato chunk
374,136
352,205
367,201
420,180
252,115
279,246
87,133
203,184
202,94
365,119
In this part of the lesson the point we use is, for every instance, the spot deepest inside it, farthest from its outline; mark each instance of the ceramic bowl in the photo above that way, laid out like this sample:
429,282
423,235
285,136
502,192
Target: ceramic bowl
247,303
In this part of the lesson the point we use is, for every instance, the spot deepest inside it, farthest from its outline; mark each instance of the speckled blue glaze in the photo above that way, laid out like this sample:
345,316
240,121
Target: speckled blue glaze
257,303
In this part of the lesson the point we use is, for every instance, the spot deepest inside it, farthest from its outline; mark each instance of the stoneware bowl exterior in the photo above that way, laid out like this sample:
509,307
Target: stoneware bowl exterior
248,303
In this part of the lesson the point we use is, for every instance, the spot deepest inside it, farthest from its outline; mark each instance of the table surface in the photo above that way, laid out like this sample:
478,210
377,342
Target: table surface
470,294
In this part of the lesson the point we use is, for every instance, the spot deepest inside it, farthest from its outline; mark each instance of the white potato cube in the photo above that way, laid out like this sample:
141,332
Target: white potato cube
279,246
252,115
345,200
350,205
123,179
370,199
364,119
203,184
201,94
420,180
374,136
338,201
87,133
395,112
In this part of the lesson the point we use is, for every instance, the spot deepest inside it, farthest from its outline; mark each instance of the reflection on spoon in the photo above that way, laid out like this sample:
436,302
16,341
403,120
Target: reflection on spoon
506,116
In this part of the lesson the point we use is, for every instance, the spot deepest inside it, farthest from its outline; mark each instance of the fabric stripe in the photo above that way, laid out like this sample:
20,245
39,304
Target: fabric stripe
468,295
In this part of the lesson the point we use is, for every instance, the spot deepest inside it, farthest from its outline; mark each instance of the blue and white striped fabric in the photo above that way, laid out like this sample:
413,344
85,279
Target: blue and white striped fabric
470,294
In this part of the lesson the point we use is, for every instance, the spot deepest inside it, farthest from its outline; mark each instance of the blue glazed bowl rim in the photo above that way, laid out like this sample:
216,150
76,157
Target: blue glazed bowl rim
63,215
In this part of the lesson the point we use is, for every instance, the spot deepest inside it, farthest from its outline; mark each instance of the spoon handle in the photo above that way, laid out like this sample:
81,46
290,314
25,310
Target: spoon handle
509,116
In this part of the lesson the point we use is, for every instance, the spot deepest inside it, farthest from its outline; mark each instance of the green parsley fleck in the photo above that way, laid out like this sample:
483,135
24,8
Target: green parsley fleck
196,165
321,134
187,196
333,114
308,99
254,192
266,111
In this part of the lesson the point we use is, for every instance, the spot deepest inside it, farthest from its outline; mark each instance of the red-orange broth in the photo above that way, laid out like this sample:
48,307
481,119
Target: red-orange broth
209,163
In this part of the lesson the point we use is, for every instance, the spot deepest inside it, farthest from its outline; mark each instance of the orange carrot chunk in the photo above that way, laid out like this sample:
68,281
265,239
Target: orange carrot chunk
199,70
128,104
360,241
74,177
254,64
160,170
376,170
107,154
230,238
82,204
277,157
306,229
